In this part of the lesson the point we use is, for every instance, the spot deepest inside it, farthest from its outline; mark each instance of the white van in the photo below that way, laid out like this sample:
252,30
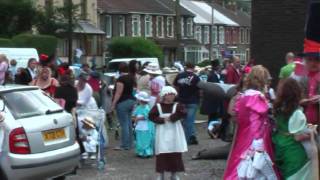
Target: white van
113,65
21,55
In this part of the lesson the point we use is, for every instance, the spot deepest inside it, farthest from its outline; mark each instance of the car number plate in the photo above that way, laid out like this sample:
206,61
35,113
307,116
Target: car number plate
53,135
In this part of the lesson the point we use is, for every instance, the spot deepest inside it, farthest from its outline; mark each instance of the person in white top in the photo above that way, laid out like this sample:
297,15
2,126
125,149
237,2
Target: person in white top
3,68
85,98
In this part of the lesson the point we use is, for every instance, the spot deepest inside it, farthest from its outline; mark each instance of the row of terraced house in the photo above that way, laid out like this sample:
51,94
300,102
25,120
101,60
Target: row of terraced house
204,27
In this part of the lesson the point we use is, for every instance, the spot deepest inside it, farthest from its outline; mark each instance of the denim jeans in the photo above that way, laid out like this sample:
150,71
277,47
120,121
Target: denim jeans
124,111
188,123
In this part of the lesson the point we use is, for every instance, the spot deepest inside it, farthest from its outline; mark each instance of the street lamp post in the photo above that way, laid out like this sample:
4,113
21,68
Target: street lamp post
211,32
178,29
70,30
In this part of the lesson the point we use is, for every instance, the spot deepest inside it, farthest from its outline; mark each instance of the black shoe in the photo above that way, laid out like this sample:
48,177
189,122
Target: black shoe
193,141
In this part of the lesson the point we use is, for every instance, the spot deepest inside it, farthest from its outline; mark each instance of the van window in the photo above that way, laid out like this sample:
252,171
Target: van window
28,103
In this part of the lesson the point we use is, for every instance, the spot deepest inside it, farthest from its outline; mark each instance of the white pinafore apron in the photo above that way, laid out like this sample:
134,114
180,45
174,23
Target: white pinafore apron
170,136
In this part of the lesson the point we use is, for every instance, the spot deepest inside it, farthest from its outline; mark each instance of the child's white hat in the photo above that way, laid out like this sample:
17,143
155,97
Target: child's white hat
168,90
143,96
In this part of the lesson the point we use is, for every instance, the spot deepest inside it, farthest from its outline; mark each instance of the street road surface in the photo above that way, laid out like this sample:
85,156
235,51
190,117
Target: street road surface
124,165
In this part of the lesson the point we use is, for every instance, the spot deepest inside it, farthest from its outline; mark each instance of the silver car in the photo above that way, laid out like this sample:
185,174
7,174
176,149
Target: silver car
37,136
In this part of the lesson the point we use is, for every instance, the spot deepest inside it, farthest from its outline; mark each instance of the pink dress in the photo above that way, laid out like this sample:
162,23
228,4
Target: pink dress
253,123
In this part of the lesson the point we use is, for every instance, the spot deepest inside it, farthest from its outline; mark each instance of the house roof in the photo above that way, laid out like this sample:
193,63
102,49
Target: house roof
203,13
138,6
84,27
239,17
171,4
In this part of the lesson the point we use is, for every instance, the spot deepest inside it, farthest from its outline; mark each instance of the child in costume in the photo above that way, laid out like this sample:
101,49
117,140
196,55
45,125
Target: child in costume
170,141
252,152
294,147
144,127
89,137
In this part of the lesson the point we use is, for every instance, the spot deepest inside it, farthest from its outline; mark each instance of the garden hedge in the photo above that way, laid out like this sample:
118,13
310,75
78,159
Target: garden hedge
43,43
124,47
4,43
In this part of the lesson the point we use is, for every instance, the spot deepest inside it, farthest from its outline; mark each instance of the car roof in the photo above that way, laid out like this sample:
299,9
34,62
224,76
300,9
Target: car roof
129,59
15,87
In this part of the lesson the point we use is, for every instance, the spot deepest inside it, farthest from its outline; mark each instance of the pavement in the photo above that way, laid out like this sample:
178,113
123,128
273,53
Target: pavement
124,165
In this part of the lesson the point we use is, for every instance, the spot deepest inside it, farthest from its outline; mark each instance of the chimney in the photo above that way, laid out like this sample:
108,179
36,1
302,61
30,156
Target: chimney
232,5
220,2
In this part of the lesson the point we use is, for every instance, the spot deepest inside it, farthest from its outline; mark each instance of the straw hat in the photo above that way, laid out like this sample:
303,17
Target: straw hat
168,90
89,121
153,68
143,96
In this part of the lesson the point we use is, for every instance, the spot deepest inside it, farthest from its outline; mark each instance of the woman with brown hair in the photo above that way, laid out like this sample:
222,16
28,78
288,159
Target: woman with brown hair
252,141
292,133
45,81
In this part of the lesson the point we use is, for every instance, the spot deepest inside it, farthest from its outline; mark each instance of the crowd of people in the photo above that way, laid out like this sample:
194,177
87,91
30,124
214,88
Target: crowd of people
273,133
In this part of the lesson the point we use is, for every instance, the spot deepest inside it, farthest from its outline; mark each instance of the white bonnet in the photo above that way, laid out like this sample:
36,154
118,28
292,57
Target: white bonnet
168,90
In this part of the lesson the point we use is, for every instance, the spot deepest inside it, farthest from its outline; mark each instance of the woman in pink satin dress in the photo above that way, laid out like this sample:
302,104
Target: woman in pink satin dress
253,125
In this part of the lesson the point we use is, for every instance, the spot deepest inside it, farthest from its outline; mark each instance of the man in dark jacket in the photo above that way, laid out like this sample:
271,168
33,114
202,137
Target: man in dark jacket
25,76
189,95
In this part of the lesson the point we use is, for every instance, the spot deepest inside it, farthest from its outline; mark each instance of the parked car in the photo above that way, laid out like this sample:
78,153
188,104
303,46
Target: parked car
113,64
113,67
39,136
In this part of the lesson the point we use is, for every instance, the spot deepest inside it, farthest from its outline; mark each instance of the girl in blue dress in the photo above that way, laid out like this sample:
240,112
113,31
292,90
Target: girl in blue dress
144,127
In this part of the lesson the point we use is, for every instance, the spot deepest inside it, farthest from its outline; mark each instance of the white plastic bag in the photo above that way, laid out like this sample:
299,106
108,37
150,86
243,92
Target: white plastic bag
243,168
251,171
259,160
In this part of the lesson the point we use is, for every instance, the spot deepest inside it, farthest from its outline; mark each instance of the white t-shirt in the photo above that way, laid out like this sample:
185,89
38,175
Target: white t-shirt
85,98
78,53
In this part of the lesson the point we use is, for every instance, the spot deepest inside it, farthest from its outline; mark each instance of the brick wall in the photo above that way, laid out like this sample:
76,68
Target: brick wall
277,28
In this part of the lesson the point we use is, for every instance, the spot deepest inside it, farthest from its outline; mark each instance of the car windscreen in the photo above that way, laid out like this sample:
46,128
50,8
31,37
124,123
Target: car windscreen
28,103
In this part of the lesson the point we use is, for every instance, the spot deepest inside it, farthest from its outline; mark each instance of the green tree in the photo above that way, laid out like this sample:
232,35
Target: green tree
55,20
17,16
124,47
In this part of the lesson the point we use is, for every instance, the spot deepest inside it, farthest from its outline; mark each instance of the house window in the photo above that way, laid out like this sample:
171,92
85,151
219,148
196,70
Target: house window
198,34
160,27
108,26
148,26
189,27
248,36
122,24
206,35
136,26
235,36
214,35
221,35
227,36
241,36
170,26
193,54
182,26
